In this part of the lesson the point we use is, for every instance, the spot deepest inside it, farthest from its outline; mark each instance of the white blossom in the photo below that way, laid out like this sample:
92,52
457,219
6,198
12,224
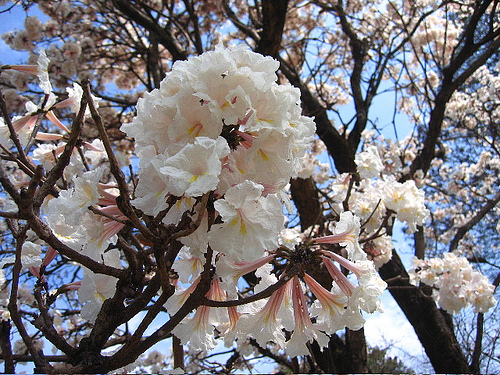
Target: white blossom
250,220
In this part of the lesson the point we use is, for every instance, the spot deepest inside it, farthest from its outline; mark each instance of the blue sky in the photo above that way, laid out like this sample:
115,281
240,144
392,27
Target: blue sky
11,20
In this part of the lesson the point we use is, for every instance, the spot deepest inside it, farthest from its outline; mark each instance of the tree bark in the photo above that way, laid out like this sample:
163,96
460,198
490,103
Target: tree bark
273,23
306,199
357,355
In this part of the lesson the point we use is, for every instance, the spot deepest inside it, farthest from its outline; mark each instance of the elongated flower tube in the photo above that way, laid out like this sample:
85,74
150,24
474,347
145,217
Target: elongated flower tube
265,325
231,271
370,286
338,277
346,233
330,313
198,330
304,330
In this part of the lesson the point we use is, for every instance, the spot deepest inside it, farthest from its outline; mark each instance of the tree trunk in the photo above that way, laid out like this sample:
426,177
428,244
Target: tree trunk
429,322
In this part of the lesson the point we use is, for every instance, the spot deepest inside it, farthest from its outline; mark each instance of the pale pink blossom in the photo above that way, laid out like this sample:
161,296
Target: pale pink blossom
305,331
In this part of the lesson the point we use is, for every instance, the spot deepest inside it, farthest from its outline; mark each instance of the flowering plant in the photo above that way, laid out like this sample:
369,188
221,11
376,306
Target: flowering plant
173,230
217,144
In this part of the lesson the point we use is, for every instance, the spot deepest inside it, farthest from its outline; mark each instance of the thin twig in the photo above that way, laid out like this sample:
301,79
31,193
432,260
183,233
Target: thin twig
123,200
38,358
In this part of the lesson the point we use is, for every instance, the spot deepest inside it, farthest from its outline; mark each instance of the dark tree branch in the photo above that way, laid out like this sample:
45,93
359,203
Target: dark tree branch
454,75
476,354
306,198
193,17
419,240
6,347
462,231
40,361
123,200
478,342
164,37
358,52
13,135
336,144
239,25
273,22
64,159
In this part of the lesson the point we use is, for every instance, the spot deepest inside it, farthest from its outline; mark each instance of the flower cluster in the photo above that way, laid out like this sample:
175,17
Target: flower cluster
288,308
456,285
220,122
377,197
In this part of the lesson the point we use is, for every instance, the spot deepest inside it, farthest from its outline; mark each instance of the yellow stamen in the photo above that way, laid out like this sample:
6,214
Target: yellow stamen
263,155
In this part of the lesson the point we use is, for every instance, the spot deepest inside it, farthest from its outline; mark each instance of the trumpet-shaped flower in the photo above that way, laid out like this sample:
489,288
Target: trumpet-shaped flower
251,222
366,295
346,233
31,255
305,331
40,70
195,169
220,122
230,272
369,163
198,329
187,266
329,306
96,288
407,201
265,325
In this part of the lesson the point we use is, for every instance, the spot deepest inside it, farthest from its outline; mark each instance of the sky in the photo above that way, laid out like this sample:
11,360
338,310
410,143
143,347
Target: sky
388,329
11,20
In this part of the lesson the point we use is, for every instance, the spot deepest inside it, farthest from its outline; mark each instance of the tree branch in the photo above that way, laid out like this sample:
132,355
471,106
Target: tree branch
462,231
273,23
451,82
164,37
431,327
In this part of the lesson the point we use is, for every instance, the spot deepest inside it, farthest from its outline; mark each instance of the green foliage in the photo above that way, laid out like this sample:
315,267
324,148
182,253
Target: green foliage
380,362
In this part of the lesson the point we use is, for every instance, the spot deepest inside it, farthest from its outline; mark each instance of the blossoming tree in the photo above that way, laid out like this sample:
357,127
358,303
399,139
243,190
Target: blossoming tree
163,179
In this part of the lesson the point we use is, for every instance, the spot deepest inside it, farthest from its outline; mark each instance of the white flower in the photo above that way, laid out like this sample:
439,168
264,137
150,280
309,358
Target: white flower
74,202
230,272
218,120
329,306
370,288
151,191
5,134
198,240
195,169
407,201
457,284
369,163
96,288
251,223
290,237
74,99
346,233
43,75
198,329
305,331
187,266
379,250
30,255
265,325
